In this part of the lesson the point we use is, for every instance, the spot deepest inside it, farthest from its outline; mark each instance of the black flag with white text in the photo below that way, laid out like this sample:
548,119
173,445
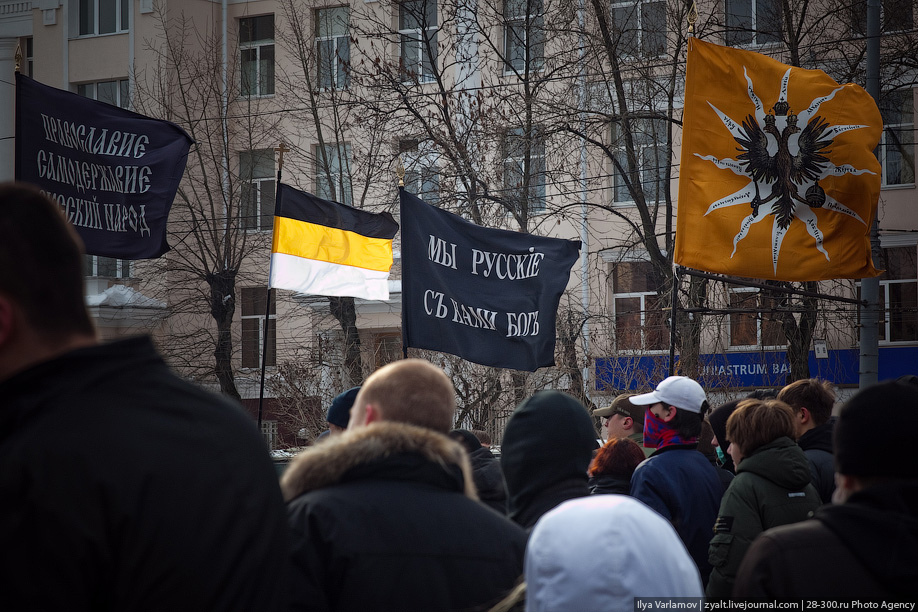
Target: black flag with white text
487,295
113,172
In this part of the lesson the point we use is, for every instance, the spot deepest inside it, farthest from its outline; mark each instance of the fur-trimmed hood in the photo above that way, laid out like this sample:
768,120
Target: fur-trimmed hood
327,462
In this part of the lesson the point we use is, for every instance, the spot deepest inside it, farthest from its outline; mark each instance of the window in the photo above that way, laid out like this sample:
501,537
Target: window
333,52
639,320
29,56
758,327
256,172
896,16
899,294
108,267
524,35
417,30
640,28
102,17
897,145
524,161
256,44
117,93
649,137
422,176
254,300
753,22
335,183
269,431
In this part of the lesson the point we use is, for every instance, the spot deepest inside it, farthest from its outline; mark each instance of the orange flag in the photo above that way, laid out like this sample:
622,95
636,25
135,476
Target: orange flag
778,178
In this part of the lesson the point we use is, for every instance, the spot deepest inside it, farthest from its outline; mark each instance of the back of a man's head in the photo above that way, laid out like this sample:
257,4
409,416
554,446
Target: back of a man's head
41,264
875,431
410,391
815,395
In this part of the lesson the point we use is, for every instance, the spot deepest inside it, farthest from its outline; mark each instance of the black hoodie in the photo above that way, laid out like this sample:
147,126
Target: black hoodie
545,453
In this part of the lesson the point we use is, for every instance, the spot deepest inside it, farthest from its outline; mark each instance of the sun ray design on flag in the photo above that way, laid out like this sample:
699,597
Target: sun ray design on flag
784,163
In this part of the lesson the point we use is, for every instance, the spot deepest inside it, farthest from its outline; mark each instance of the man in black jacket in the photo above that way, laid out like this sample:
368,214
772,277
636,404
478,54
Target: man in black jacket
812,400
545,454
385,517
865,546
122,487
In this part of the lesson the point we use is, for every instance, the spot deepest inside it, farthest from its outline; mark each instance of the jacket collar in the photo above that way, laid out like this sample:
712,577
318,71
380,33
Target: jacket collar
328,462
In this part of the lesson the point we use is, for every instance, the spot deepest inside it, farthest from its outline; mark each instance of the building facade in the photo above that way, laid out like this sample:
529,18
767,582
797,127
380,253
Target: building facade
555,120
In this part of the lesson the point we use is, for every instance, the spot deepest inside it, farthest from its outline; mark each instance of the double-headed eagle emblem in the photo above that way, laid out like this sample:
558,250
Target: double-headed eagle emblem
784,156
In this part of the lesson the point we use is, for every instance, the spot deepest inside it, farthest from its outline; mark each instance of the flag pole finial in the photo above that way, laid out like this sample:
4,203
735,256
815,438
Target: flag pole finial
692,18
400,172
18,57
280,155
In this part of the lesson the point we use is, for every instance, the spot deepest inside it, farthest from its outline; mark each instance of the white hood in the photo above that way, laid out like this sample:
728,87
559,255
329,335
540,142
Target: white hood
602,551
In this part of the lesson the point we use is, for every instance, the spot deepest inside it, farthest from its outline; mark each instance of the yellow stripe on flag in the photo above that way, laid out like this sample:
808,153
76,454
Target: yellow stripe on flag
778,179
322,243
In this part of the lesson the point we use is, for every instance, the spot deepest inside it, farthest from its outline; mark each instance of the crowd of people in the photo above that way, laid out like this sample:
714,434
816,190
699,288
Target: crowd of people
125,488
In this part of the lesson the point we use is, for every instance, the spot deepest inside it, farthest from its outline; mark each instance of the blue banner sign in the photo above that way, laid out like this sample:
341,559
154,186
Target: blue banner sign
759,369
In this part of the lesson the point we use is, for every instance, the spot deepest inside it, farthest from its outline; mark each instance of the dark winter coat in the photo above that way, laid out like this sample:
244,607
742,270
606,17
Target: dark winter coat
817,446
124,488
680,484
772,487
384,517
489,479
864,548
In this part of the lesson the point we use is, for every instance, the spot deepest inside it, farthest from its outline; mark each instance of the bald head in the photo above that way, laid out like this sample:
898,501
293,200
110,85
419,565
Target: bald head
407,391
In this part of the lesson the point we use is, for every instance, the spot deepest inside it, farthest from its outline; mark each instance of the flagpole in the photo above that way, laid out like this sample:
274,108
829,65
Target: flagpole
264,347
674,304
400,173
870,287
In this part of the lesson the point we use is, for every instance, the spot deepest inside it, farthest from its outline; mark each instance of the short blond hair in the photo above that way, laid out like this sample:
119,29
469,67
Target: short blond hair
755,423
412,391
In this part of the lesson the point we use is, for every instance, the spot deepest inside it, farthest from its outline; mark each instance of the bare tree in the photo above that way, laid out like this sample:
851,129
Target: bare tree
212,221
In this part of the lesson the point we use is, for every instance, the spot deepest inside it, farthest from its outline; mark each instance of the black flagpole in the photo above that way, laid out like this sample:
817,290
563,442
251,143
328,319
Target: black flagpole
264,348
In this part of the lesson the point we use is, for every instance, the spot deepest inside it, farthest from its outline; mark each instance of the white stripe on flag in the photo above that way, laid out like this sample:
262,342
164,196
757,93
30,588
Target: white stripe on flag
323,278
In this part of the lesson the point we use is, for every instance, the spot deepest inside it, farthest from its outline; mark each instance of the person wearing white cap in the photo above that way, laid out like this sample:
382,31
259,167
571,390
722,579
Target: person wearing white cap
676,480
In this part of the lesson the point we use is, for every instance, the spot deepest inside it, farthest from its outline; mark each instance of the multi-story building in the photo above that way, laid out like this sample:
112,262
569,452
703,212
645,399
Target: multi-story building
514,113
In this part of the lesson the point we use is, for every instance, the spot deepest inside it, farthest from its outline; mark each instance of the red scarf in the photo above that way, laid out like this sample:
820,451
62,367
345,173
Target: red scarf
658,434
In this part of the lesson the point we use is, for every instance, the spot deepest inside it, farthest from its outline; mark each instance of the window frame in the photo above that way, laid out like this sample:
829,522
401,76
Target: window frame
887,318
425,35
262,82
764,327
529,25
253,301
257,215
747,33
643,17
340,176
91,11
422,171
336,74
890,132
515,165
651,312
649,140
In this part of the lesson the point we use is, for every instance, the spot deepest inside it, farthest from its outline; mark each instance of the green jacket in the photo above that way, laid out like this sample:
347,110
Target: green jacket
772,487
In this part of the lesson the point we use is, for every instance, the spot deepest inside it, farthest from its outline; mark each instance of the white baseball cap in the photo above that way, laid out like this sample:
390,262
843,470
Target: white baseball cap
679,391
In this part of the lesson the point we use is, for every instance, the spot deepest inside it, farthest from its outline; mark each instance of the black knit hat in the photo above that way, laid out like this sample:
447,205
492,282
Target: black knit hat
339,413
875,432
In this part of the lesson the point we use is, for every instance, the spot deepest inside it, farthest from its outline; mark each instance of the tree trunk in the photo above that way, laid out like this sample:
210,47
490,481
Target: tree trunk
344,310
222,308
